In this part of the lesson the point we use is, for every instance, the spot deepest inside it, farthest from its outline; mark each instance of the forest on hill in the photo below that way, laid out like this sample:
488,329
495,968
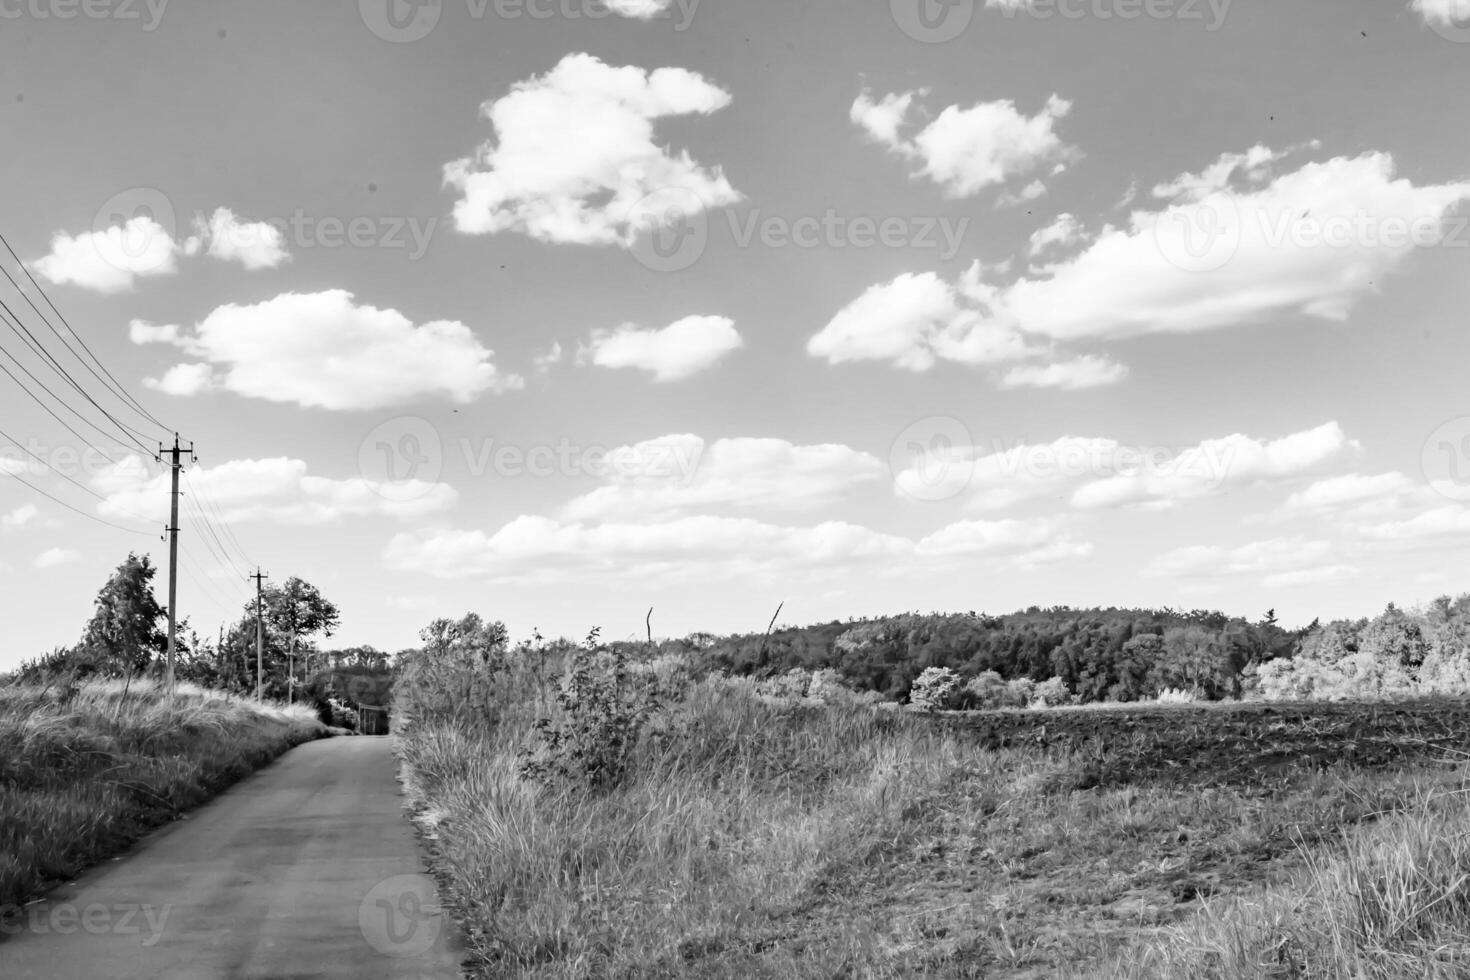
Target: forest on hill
1099,654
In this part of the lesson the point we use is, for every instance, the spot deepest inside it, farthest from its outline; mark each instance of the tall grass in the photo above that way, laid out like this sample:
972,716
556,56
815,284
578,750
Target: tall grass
734,814
756,830
84,771
1389,901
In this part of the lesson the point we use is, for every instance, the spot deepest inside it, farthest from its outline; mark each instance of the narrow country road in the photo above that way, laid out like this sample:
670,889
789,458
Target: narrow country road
306,869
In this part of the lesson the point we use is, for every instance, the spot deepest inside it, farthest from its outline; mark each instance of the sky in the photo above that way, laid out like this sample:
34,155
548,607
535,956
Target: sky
560,311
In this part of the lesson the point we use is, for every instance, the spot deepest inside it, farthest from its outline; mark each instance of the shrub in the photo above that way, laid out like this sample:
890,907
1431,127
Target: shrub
1050,693
598,716
936,689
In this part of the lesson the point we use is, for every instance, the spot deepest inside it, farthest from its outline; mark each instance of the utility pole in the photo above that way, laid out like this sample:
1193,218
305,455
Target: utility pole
175,465
259,577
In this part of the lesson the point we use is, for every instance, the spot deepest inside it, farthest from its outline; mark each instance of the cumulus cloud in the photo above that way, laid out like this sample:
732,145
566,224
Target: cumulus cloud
112,259
253,244
183,380
56,557
1274,557
703,547
662,478
1218,464
1231,245
916,320
575,153
1444,13
1094,473
1064,232
277,490
323,350
1090,371
966,150
680,350
19,517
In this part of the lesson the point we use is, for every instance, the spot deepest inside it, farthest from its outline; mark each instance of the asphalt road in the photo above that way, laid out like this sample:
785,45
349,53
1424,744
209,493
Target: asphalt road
306,869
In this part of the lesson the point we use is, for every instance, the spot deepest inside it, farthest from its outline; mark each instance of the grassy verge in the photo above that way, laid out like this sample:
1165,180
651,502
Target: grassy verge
83,774
758,839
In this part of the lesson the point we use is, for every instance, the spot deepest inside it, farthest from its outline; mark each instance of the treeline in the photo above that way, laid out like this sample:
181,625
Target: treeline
1099,654
126,638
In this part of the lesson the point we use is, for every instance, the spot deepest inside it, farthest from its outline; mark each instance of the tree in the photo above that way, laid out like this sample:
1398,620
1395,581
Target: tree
297,610
125,634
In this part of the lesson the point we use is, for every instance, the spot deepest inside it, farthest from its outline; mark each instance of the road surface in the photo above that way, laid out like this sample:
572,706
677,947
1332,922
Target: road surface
305,869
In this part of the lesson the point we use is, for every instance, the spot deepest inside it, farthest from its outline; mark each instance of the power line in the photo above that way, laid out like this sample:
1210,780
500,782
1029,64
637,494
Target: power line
18,327
207,496
75,510
116,386
37,399
201,501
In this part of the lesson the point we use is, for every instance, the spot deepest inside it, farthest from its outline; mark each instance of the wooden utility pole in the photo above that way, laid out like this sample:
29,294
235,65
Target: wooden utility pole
176,466
260,578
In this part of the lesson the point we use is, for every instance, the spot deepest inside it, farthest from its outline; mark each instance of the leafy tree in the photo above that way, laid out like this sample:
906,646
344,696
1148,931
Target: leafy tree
298,611
127,627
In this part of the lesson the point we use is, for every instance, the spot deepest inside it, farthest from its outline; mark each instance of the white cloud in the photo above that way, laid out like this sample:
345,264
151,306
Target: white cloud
965,151
575,152
548,359
255,245
916,320
673,475
1217,464
675,352
20,517
1351,491
279,491
1444,13
1090,371
1139,279
703,547
56,557
883,118
1311,576
183,380
112,259
323,350
639,9
143,332
1097,473
1271,557
1064,232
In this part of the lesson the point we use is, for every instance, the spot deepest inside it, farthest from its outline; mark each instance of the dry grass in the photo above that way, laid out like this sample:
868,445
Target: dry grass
761,838
85,771
1385,902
